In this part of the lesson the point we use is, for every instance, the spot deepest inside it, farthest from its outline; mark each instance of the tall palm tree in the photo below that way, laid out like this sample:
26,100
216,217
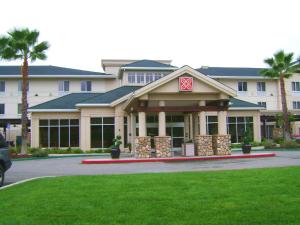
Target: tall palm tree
282,67
22,44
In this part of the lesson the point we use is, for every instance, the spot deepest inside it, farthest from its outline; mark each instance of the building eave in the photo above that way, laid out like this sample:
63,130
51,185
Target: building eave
93,105
53,110
60,76
245,108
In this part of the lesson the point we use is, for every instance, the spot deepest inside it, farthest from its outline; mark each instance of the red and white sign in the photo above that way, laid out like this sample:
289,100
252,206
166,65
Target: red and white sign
185,83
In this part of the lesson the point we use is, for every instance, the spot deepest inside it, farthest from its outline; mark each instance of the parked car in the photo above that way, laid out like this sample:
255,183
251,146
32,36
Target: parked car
5,162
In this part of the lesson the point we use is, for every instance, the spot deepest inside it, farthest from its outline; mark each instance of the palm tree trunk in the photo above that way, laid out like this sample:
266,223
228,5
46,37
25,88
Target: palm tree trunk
286,124
24,106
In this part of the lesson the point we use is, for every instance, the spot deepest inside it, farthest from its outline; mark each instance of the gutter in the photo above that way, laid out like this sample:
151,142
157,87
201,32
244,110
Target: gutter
60,76
53,110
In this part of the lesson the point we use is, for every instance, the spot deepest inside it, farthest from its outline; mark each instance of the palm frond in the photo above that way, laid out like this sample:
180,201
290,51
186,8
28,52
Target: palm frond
269,61
279,56
41,47
288,59
32,37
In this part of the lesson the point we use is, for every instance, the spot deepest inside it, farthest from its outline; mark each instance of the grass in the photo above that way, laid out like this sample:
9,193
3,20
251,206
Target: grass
257,196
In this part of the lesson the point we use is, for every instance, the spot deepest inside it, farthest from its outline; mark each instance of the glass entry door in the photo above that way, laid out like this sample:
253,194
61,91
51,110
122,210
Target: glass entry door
177,134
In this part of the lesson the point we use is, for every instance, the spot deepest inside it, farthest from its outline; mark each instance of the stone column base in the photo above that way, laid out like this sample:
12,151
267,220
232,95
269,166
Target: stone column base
162,146
221,144
143,147
204,145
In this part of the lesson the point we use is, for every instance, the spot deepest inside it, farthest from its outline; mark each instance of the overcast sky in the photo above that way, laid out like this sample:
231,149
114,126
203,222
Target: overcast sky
195,33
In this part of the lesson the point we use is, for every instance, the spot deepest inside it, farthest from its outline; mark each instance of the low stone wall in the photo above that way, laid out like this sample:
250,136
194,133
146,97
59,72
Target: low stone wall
204,145
162,146
221,144
143,147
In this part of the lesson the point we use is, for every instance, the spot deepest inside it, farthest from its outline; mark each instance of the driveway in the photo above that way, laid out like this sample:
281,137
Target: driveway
21,170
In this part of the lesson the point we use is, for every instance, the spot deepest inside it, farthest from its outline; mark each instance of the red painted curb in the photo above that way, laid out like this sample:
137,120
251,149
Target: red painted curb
175,159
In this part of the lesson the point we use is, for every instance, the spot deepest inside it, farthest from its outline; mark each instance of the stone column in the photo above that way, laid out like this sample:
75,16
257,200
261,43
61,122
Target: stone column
161,121
191,126
142,124
222,122
202,122
35,132
143,147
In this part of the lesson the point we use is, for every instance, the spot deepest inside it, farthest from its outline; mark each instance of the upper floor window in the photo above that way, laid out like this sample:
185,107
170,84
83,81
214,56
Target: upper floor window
2,109
2,86
296,86
262,104
261,86
20,85
86,85
20,108
144,78
63,86
242,86
296,105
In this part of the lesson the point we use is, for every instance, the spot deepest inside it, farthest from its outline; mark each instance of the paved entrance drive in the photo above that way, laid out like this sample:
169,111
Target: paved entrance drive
72,166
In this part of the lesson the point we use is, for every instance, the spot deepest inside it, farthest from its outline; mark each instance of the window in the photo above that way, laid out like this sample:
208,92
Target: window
2,86
262,104
2,109
102,132
20,85
295,86
242,86
60,133
296,105
20,108
86,85
237,126
149,78
211,125
261,86
140,78
131,78
63,86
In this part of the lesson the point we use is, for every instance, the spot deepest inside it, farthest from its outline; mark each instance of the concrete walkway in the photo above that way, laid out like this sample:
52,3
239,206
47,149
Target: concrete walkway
72,166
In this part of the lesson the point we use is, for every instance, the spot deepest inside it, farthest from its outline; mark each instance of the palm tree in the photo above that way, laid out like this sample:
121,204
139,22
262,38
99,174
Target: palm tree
22,44
282,67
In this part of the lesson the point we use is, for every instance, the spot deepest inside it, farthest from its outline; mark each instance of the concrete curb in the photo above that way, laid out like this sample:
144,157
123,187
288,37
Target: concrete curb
24,181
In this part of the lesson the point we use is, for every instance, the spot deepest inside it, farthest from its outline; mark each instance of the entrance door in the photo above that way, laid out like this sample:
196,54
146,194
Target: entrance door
177,135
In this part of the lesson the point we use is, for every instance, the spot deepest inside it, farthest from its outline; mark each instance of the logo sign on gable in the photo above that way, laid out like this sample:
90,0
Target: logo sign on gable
185,83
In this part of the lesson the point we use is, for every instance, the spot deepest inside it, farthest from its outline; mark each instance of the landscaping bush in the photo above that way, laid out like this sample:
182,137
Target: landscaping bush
77,151
39,152
236,145
289,144
269,144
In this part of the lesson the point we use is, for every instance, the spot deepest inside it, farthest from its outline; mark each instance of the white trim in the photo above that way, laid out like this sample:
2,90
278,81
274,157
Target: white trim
24,181
93,105
60,76
53,110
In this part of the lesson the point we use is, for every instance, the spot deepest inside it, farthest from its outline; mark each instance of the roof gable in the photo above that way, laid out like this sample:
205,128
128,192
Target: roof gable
148,63
46,70
231,71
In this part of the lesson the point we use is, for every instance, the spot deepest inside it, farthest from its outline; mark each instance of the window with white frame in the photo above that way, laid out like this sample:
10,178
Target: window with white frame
261,86
144,78
20,85
295,86
262,104
296,104
86,85
63,86
242,86
2,86
2,109
20,108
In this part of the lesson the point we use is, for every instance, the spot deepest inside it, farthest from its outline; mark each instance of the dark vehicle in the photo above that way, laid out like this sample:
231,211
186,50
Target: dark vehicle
5,162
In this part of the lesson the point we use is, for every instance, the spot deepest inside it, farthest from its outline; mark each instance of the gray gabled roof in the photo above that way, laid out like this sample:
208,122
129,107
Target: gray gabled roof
148,63
230,71
66,102
70,101
111,96
46,70
237,103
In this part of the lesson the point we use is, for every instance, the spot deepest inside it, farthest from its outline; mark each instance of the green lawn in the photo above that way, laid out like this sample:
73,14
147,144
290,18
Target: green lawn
258,196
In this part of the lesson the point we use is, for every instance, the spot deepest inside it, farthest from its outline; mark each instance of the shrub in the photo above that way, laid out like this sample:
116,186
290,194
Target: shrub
39,153
77,151
279,140
14,150
255,144
236,145
269,144
289,144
